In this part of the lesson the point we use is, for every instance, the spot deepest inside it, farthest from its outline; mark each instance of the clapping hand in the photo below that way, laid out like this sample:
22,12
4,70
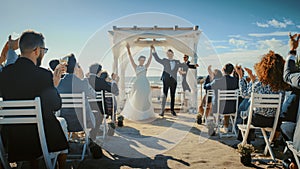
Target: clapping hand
239,71
294,41
13,44
251,75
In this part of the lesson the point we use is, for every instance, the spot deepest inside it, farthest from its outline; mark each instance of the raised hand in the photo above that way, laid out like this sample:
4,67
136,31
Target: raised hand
152,48
251,75
13,44
294,41
58,72
127,46
210,72
239,71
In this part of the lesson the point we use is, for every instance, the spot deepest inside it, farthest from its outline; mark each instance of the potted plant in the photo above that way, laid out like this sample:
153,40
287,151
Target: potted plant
120,121
111,129
245,151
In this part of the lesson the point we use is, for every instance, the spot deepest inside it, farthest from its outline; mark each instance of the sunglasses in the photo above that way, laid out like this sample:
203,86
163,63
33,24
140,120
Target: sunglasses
45,49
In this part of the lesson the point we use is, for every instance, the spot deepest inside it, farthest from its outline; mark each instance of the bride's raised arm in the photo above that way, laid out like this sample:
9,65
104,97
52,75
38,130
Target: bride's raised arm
149,60
130,56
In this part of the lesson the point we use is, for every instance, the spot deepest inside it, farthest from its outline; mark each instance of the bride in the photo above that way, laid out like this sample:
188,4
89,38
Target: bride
139,106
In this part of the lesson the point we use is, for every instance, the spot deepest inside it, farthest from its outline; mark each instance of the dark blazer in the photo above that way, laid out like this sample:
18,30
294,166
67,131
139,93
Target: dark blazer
99,84
167,72
225,83
24,80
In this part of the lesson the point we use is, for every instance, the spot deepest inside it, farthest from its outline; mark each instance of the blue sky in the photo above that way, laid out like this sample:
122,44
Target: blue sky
235,28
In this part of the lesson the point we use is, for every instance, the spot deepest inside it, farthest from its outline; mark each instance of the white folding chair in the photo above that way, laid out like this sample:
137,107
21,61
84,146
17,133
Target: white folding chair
209,94
26,112
296,153
100,98
223,96
260,101
77,101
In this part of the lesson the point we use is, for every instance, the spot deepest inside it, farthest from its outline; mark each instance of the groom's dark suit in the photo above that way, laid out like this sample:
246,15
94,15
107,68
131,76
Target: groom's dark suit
169,78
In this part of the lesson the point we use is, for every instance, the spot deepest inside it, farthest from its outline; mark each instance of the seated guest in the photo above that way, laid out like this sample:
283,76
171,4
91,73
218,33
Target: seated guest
244,88
212,75
99,84
114,90
26,80
267,83
291,129
227,82
74,82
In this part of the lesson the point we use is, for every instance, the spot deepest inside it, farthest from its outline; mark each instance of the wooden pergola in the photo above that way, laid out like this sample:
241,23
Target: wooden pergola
183,39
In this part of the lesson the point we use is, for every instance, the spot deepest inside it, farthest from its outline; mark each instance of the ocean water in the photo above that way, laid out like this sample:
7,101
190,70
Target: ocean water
155,80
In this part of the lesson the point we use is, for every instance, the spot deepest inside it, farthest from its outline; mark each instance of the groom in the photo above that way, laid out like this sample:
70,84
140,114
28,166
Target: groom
169,77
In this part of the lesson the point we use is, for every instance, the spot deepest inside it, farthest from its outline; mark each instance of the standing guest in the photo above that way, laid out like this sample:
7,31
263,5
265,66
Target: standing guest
114,84
227,82
115,89
184,71
26,80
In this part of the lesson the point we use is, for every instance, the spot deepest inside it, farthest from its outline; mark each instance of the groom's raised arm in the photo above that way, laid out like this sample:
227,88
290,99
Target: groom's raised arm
156,57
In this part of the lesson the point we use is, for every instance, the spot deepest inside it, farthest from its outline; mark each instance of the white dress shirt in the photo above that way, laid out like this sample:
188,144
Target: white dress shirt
172,64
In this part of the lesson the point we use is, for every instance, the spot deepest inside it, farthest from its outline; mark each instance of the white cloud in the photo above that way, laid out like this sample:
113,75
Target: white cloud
238,43
262,25
275,23
234,36
269,34
288,22
298,26
218,41
272,44
221,47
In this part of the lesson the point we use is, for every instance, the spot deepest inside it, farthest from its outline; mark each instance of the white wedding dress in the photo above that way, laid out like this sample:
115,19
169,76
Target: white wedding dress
138,106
